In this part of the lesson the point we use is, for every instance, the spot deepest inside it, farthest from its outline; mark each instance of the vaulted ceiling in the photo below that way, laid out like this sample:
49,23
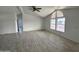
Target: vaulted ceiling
46,10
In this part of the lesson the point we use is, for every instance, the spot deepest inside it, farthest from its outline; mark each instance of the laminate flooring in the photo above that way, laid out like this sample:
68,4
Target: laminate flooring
36,41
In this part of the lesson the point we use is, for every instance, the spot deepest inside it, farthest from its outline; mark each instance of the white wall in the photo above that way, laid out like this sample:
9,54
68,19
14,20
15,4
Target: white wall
7,23
72,24
31,22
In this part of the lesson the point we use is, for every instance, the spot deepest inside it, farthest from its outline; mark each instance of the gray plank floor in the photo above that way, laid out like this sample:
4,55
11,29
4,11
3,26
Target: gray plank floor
36,41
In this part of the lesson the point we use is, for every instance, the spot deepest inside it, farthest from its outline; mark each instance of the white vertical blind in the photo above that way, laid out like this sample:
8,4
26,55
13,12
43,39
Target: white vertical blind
52,24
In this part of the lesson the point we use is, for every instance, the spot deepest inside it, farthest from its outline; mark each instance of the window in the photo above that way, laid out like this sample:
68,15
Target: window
53,21
57,21
52,24
61,24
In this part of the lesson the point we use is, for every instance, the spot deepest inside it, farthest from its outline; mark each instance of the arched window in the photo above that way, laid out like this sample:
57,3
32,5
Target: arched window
57,21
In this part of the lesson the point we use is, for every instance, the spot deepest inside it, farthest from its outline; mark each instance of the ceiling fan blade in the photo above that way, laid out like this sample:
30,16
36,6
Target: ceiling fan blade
39,8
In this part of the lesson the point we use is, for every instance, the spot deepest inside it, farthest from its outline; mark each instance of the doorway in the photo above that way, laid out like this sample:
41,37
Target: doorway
19,23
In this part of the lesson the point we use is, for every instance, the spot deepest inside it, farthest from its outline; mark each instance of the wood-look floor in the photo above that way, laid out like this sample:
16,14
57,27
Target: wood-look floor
36,41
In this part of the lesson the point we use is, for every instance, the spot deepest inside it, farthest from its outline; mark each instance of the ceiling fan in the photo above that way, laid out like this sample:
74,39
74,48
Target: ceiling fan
36,9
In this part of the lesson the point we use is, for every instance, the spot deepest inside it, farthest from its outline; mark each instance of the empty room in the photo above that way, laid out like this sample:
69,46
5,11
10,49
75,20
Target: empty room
39,29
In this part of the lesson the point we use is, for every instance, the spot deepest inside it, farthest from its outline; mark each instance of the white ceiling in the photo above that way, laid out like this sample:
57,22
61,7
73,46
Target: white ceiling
46,10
